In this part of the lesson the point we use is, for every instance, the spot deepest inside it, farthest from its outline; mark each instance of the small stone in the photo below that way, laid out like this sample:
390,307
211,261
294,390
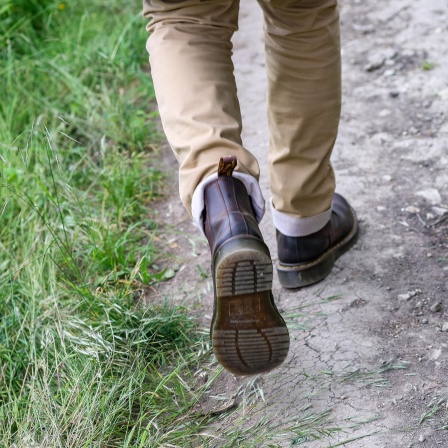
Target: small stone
374,65
380,208
439,211
445,327
388,178
419,304
394,94
377,58
424,320
429,255
412,209
436,354
429,216
421,438
404,297
384,113
431,195
436,307
389,73
412,293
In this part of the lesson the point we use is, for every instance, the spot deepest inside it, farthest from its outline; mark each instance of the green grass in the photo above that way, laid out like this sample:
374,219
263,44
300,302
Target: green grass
82,362
428,65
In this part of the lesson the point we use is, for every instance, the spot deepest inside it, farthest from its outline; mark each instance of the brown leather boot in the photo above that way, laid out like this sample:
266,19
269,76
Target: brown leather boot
309,259
248,333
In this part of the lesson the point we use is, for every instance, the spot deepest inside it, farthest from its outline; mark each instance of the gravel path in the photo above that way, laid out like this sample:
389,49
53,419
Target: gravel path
391,162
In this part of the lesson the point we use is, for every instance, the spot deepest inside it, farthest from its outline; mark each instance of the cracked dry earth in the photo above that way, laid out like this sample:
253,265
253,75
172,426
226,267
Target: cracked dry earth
389,293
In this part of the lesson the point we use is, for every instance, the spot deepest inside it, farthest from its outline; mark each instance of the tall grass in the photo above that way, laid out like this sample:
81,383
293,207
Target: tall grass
82,363
76,69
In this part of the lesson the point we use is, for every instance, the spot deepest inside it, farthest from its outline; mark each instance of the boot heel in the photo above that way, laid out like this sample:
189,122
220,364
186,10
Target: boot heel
243,266
292,277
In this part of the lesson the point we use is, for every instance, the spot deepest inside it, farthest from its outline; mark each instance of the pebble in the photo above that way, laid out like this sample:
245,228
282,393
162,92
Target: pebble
424,320
412,209
404,297
419,304
372,66
394,94
364,29
384,113
377,58
421,438
445,327
436,307
436,354
388,73
439,211
431,195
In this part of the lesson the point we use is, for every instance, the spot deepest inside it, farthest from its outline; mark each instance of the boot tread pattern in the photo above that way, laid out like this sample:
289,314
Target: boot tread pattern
251,351
244,277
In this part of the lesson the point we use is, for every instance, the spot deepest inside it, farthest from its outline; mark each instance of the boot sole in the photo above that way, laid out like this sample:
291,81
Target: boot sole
298,276
248,333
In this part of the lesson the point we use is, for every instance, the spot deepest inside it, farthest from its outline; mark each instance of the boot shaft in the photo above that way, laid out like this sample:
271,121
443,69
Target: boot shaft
228,212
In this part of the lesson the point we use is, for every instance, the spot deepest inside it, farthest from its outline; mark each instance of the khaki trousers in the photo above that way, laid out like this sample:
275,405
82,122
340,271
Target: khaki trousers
190,55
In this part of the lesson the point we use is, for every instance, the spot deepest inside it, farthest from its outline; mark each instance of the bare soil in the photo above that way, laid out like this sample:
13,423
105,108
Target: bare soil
391,161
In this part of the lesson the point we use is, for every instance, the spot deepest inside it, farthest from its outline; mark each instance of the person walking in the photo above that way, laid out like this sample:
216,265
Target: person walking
190,53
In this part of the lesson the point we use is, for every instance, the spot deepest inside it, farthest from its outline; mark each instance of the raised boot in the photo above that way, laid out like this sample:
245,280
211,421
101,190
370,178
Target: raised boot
309,259
249,335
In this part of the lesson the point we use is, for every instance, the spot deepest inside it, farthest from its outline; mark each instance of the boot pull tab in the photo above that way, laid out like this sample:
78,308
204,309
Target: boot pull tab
226,166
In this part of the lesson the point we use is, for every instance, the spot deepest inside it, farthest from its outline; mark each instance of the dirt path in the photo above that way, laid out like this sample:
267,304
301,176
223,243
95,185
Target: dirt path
391,161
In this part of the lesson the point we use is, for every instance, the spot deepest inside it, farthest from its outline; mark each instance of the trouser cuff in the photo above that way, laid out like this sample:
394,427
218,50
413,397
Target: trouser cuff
293,226
253,190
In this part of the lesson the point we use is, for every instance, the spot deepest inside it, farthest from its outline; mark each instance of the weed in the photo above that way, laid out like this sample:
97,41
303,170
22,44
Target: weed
427,65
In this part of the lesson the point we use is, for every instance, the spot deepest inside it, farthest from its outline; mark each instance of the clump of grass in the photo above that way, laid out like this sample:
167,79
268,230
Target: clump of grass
437,413
92,369
82,362
428,65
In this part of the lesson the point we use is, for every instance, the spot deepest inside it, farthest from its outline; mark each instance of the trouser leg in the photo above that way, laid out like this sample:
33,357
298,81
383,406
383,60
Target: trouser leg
190,56
304,98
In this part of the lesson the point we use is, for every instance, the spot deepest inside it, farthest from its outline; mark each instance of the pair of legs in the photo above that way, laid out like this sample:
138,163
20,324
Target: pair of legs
190,53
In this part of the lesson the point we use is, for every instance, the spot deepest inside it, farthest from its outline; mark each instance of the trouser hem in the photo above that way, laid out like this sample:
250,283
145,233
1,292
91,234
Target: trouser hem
294,226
